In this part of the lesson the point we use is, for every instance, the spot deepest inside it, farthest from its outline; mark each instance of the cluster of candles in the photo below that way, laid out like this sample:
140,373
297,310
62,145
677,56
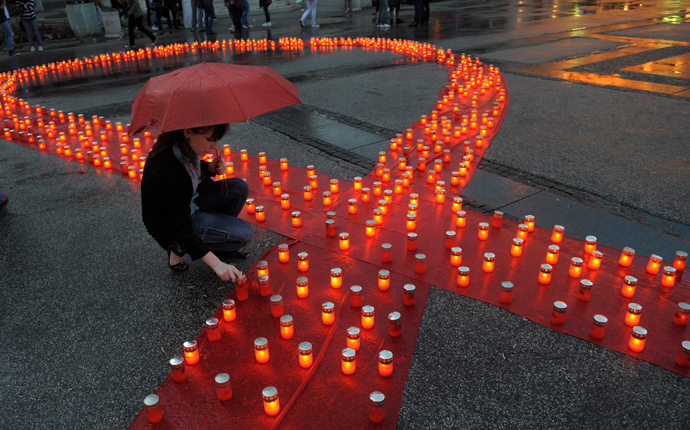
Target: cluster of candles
305,351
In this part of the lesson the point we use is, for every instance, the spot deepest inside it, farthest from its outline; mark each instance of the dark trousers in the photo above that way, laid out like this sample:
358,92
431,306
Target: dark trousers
138,22
235,15
426,10
418,11
268,15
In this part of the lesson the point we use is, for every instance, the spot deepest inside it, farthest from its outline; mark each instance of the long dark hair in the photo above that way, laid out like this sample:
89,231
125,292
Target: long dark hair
169,138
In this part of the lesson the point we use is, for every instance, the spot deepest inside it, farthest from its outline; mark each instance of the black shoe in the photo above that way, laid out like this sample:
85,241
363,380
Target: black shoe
13,52
182,266
414,24
301,24
399,21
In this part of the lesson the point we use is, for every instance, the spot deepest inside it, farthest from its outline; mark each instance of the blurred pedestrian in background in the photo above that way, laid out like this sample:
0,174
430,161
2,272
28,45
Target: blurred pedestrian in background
264,4
6,25
30,23
135,19
235,11
311,10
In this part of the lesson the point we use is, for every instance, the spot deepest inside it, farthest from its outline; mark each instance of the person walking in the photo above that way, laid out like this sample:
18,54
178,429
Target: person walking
235,12
135,19
245,14
381,15
418,12
6,25
311,10
394,6
264,4
30,23
209,15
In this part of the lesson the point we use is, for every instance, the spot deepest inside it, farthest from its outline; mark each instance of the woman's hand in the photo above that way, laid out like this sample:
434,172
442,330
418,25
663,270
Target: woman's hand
226,272
217,166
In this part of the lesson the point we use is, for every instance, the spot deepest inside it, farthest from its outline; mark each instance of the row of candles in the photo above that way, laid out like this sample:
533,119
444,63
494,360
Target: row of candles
305,349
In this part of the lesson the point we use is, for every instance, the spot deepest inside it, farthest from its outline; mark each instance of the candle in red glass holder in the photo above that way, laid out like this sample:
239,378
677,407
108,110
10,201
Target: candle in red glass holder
594,262
682,314
262,268
409,291
230,168
334,186
545,274
327,200
585,291
262,158
344,239
395,324
367,317
626,257
306,356
462,169
249,203
328,313
385,363
411,241
154,412
628,288
310,170
590,244
680,260
261,349
223,388
378,216
370,228
558,313
287,329
277,189
377,188
382,157
271,401
348,361
283,164
302,285
242,291
411,222
283,253
352,206
384,280
522,231
489,262
460,219
440,196
264,286
575,270
414,199
497,219
598,327
330,227
191,352
420,263
267,178
557,235
654,264
356,296
383,205
516,249
457,205
307,193
313,182
353,338
366,195
277,308
450,239
455,256
668,277
463,276
212,329
284,200
529,221
683,358
179,374
357,183
506,295
483,232
632,316
638,337
377,402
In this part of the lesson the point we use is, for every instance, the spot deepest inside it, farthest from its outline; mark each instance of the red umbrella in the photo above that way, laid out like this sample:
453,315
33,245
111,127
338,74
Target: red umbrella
208,94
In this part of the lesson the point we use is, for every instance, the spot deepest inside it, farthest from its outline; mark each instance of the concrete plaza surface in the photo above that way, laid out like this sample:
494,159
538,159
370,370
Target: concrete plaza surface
90,315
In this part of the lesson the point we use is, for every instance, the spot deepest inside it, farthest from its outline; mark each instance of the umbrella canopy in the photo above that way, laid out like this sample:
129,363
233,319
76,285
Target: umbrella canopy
208,94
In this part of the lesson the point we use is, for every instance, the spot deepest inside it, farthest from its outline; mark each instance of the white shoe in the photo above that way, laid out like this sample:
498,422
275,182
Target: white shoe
384,26
40,48
266,24
315,26
154,28
232,29
33,48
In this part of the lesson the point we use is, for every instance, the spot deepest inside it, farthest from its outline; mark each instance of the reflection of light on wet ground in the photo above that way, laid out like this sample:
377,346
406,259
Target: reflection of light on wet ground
677,67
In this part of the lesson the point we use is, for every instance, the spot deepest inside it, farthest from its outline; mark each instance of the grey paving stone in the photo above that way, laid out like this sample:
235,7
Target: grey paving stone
535,54
494,190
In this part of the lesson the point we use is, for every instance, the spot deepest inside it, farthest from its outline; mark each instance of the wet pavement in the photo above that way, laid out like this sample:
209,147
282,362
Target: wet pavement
596,139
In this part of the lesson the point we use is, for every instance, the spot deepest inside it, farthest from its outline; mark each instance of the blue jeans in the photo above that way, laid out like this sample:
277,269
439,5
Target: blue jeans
32,24
383,8
9,35
311,9
245,13
216,221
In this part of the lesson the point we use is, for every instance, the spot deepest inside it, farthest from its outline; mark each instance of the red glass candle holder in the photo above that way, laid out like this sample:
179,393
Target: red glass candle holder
638,338
626,257
353,338
287,329
377,402
213,329
683,358
277,308
557,234
420,263
682,314
179,374
154,412
302,284
395,324
632,316
356,296
506,295
463,277
409,291
594,262
558,313
598,327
